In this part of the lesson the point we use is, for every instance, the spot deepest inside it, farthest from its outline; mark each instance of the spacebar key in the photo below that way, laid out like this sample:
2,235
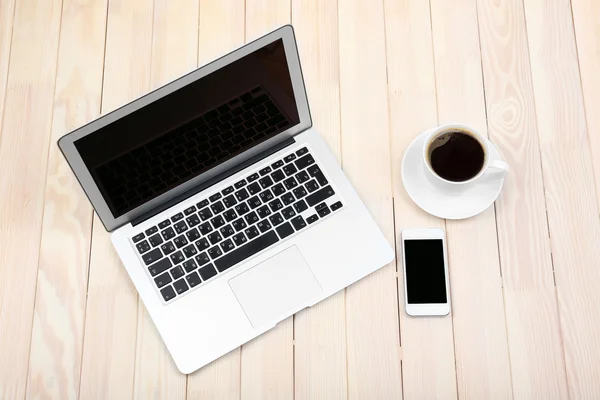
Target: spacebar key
319,196
246,251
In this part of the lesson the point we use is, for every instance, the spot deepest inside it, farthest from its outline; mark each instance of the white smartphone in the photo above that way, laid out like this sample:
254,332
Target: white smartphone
426,288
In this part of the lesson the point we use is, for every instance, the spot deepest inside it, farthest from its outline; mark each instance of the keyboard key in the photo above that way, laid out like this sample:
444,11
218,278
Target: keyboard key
265,171
192,234
177,217
160,266
152,256
177,272
242,209
253,188
189,210
189,265
289,158
218,221
202,204
193,220
215,197
167,248
285,230
214,252
323,211
246,251
193,279
266,196
202,259
155,240
215,237
240,184
163,279
305,161
290,183
263,212
253,177
202,244
316,173
299,192
312,218
254,202
164,224
319,196
289,169
277,164
227,245
265,182
288,212
239,224
251,218
207,272
276,205
205,228
276,219
180,286
167,293
242,194
288,198
302,151
205,214
336,205
180,227
229,215
226,231
278,175
311,186
227,190
251,232
302,176
180,241
143,246
217,207
239,239
298,222
263,225
151,231
278,189
189,251
177,257
300,206
229,201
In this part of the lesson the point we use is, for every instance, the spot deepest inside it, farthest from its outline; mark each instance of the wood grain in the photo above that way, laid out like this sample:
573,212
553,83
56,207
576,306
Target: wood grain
267,362
112,312
174,52
320,331
57,333
569,183
224,19
428,369
24,144
480,342
373,346
535,347
7,13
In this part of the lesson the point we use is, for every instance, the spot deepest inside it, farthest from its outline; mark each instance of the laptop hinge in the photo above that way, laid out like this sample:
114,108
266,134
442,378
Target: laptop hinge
212,181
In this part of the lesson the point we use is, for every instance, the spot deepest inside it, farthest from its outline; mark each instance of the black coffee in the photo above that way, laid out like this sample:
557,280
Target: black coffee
456,156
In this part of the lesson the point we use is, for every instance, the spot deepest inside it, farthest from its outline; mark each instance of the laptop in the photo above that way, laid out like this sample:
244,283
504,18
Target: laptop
225,206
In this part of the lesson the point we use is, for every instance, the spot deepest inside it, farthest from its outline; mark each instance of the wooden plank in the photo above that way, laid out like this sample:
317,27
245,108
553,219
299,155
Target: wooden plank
481,350
267,362
320,331
174,52
23,160
58,322
587,33
428,369
225,20
111,318
569,184
7,13
371,304
536,356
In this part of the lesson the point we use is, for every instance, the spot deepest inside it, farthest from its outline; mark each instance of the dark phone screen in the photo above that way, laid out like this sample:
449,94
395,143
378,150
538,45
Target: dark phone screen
425,278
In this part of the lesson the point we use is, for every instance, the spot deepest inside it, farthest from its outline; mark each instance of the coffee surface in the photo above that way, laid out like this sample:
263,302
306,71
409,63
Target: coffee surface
458,156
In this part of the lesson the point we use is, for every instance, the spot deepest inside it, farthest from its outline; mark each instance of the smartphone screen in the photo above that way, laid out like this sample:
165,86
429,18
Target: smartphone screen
425,276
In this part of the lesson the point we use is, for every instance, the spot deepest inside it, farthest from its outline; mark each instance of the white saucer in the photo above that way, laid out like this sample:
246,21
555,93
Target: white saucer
472,201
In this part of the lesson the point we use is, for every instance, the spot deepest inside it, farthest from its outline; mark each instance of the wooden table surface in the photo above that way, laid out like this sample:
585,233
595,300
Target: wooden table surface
525,274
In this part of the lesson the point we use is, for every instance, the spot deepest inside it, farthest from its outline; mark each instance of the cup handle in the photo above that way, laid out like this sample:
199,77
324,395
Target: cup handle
497,169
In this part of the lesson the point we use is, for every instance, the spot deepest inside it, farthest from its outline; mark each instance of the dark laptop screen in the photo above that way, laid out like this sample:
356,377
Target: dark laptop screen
191,130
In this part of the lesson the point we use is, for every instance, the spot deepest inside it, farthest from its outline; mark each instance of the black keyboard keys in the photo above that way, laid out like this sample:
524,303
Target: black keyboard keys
336,205
285,230
152,256
305,161
278,175
227,190
276,219
263,225
202,204
302,176
290,183
276,205
143,246
180,286
214,252
227,245
277,164
202,259
177,272
155,240
215,237
312,218
193,220
300,206
322,210
242,209
189,265
160,267
164,224
288,212
289,169
217,207
298,222
238,224
163,279
253,188
311,186
217,221
302,151
278,189
263,212
288,198
319,196
138,237
251,218
253,177
205,214
180,241
266,196
254,202
215,197
189,210
246,251
239,239
167,293
226,231
193,279
251,232
205,228
177,257
207,272
167,248
180,227
316,173
192,234
265,182
229,215
240,184
189,251
289,158
177,217
229,201
202,244
265,171
299,192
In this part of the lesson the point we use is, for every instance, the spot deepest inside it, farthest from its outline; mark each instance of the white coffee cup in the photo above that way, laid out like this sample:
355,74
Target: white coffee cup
490,169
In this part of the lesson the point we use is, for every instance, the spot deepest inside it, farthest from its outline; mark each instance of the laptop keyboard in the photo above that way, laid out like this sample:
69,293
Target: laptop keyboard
224,229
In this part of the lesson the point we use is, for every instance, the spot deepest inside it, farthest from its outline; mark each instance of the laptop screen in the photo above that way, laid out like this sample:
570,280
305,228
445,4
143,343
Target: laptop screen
188,132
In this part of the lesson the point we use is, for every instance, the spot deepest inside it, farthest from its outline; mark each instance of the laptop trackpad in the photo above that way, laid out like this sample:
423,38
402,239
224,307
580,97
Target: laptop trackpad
268,291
